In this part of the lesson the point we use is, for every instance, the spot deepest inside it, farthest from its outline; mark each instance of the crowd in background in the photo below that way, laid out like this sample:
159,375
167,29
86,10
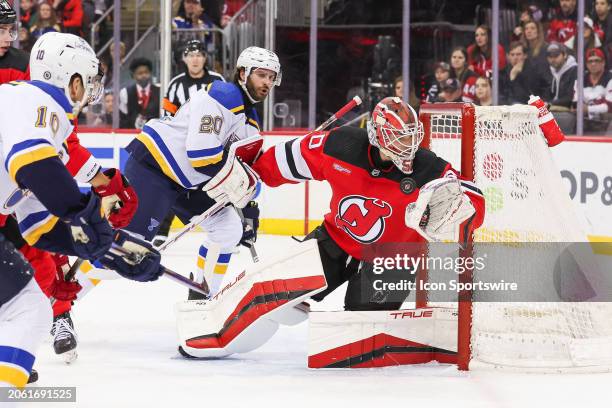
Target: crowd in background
540,60
540,57
139,100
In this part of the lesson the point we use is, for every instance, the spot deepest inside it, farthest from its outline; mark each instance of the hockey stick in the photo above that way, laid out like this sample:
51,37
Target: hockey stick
250,223
70,275
192,224
356,101
177,277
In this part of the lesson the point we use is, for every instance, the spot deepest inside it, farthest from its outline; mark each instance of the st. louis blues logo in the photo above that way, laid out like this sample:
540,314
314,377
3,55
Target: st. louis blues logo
154,224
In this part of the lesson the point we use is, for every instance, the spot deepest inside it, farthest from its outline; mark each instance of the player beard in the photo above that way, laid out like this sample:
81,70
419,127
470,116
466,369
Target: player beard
257,93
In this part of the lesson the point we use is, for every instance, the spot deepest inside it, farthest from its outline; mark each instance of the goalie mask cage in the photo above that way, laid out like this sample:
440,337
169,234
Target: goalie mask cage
503,151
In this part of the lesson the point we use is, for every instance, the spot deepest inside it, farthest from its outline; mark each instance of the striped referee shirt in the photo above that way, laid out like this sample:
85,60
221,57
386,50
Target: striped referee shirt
182,86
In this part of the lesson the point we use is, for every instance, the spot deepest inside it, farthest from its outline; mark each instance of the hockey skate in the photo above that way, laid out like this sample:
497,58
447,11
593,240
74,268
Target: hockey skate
33,378
64,337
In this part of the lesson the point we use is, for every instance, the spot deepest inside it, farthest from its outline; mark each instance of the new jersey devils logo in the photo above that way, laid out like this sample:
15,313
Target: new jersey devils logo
362,218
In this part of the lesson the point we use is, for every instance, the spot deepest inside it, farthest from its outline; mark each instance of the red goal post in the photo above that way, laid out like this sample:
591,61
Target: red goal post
467,113
502,150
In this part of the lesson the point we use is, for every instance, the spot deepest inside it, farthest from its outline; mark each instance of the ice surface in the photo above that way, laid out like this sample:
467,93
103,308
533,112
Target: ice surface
128,358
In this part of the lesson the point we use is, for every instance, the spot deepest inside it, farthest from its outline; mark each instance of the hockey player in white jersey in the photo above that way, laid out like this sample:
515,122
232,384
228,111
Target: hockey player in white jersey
35,119
184,162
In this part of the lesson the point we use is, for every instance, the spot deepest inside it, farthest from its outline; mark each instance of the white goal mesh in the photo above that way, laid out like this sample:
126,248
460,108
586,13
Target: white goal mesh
526,201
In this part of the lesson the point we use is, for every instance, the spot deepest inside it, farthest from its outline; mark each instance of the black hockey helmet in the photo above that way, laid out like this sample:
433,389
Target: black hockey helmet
7,14
194,45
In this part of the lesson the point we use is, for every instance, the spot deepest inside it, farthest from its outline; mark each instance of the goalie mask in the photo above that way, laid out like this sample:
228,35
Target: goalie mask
396,130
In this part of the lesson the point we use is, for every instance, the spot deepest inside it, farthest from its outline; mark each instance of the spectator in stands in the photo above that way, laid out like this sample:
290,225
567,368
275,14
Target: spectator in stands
110,53
602,20
591,38
106,66
140,101
442,73
563,22
398,87
564,69
27,12
109,103
516,77
451,91
191,15
459,70
72,15
46,22
531,12
597,91
25,41
484,95
101,114
479,53
533,38
230,7
195,77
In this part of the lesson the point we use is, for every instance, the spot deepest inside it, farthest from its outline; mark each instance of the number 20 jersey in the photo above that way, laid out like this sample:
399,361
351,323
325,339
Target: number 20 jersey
188,147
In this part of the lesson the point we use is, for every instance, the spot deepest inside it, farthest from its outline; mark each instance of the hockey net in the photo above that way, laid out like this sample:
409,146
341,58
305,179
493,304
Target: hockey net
502,149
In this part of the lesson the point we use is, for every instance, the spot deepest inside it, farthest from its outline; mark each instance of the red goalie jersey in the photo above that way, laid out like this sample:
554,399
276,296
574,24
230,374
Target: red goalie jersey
369,196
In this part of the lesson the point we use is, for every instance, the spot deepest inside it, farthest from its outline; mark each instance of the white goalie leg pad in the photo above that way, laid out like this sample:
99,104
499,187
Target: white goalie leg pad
247,311
349,339
439,211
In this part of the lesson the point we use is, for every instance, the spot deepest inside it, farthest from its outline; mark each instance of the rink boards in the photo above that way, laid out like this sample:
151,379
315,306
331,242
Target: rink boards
584,164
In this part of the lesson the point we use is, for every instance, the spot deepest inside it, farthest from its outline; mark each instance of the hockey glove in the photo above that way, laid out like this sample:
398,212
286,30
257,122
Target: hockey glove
133,258
91,232
64,290
235,183
440,210
118,198
250,224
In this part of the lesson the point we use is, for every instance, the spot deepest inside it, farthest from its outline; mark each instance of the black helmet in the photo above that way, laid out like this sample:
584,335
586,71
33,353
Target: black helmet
7,14
194,45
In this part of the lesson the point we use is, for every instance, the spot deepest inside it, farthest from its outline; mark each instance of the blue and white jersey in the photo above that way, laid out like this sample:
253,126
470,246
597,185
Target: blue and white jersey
184,145
35,120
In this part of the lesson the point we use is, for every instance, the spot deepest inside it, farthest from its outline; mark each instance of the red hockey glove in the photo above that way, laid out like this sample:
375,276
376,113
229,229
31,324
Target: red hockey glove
125,206
63,290
62,265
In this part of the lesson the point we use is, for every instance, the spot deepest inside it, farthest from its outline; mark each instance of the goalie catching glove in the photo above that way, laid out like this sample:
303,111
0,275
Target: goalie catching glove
441,211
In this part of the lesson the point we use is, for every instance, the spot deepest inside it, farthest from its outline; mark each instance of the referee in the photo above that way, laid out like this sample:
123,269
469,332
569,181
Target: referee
192,80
